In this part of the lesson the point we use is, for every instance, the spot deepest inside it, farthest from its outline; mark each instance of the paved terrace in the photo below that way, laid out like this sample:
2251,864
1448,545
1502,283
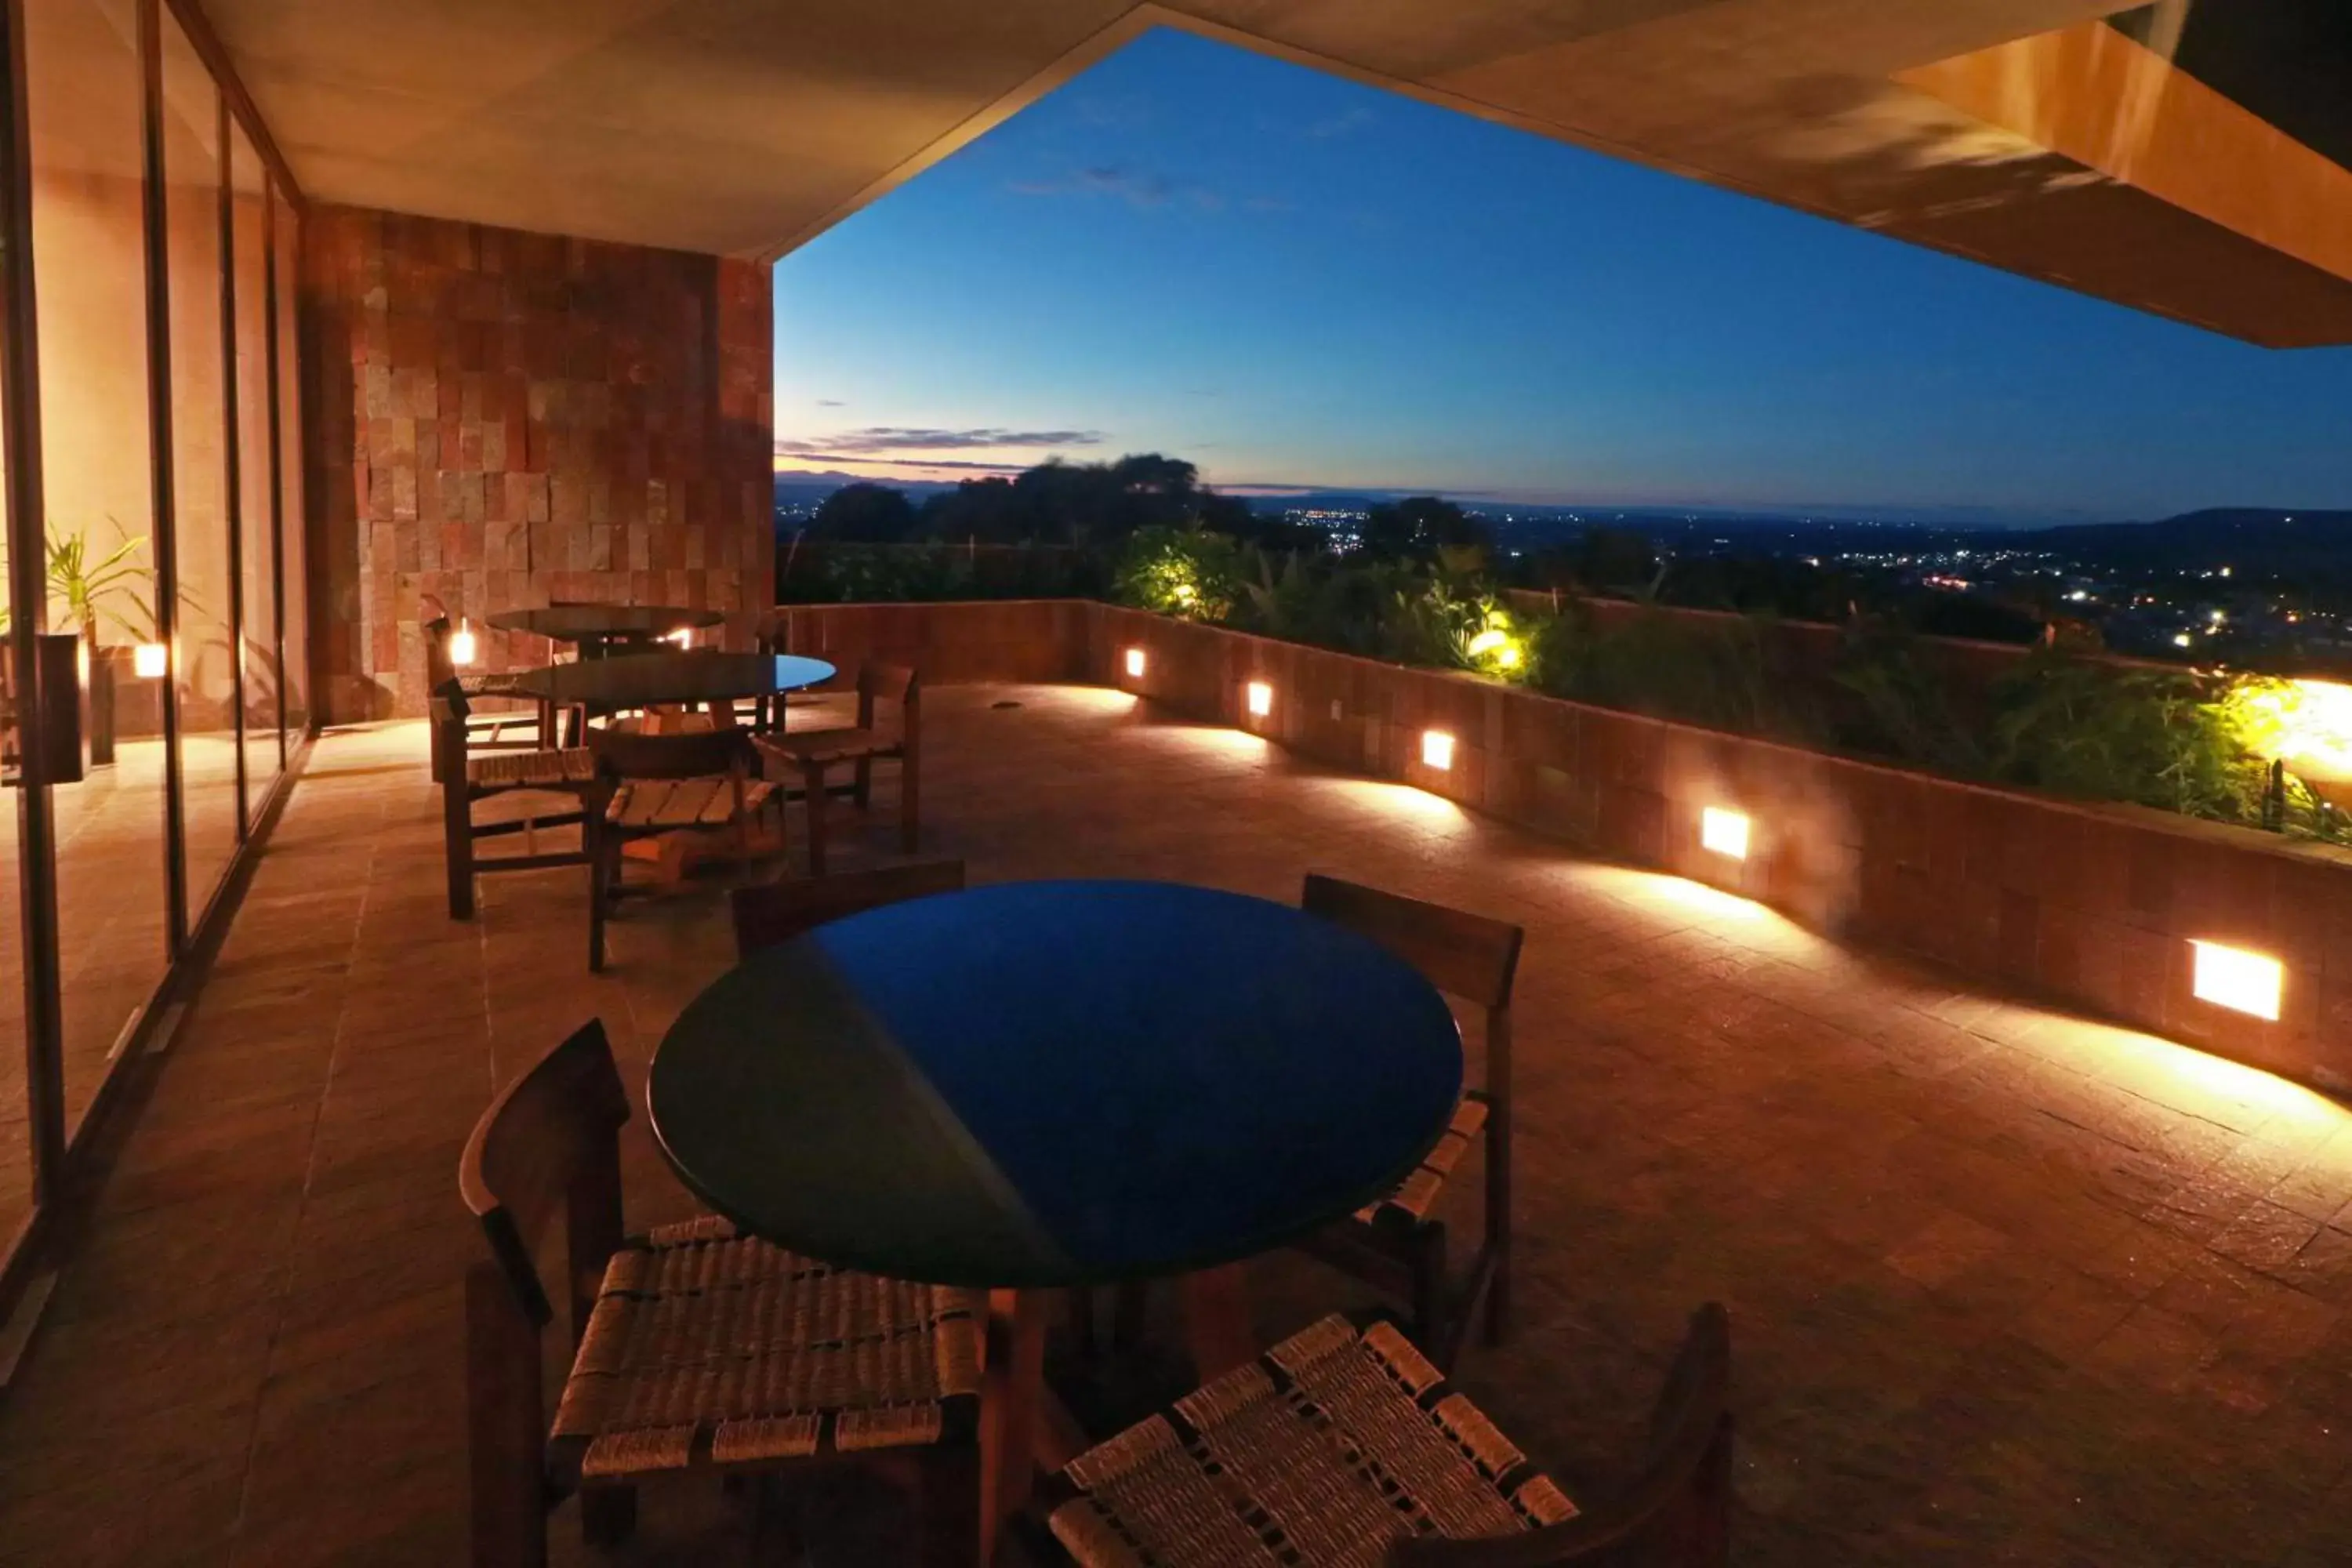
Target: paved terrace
2005,1286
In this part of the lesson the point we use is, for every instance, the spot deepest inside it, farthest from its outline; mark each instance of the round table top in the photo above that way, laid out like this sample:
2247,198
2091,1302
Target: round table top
575,622
651,679
1033,1085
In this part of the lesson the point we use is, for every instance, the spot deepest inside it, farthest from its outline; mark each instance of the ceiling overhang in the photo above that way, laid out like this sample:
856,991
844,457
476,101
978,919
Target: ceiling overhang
2028,134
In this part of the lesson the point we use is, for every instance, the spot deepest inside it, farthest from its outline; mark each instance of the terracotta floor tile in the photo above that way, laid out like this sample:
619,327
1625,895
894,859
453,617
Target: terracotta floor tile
2007,1286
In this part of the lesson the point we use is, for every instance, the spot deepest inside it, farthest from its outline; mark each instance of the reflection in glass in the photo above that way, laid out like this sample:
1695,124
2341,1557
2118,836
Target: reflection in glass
15,1128
256,474
206,645
287,281
90,278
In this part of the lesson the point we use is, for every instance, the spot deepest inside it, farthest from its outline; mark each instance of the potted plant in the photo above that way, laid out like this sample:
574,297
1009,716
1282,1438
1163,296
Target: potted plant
89,587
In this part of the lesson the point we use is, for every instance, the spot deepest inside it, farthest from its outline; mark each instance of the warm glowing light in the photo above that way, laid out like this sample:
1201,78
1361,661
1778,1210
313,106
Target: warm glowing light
1135,664
2219,615
1496,646
1436,749
1723,832
2241,981
2307,725
1261,698
461,645
1709,901
151,660
682,637
2182,640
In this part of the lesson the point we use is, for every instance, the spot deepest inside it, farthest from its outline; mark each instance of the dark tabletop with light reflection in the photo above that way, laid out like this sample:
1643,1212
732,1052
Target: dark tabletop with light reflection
1045,1084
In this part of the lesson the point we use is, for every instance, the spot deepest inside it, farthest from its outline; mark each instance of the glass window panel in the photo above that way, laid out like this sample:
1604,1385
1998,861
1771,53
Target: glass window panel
15,1128
294,592
257,472
90,277
206,643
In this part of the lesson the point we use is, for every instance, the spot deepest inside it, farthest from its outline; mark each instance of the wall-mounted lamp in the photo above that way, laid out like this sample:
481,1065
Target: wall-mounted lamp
151,661
2241,981
1135,664
1723,832
1436,750
461,645
1261,698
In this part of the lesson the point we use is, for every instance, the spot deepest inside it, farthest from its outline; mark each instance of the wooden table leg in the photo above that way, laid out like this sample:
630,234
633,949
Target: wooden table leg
1011,1391
812,785
1217,1320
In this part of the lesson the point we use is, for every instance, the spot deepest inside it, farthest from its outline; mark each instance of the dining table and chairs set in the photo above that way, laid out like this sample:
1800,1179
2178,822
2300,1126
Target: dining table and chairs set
681,754
924,1122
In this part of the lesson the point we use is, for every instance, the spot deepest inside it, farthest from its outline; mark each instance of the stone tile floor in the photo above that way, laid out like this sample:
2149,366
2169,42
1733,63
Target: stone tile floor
2006,1287
110,937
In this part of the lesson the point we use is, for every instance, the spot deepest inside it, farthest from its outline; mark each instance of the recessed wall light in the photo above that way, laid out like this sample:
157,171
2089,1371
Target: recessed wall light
1723,832
2241,981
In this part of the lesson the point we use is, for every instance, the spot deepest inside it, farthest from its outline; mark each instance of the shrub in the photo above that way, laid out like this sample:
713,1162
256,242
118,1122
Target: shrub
1188,572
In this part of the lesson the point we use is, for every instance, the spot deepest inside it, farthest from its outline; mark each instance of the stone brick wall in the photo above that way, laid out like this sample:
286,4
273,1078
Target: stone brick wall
953,644
501,418
2085,906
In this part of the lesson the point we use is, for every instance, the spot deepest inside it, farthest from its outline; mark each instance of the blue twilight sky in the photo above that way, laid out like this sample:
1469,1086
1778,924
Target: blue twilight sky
1293,280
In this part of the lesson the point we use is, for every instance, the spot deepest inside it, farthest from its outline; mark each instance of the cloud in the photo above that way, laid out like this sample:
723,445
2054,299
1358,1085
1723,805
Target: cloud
1340,125
831,403
891,443
1142,189
927,465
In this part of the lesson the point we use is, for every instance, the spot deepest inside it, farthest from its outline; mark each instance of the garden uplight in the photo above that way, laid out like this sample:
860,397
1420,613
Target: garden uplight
461,645
1135,664
1496,646
1723,832
2241,981
1261,698
1436,749
151,661
2307,725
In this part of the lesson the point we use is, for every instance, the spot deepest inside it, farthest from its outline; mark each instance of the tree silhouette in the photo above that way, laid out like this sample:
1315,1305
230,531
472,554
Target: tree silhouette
1417,528
866,514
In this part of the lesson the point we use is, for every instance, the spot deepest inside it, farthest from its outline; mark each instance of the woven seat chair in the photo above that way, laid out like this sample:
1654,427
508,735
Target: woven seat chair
530,728
647,787
1344,1448
695,1350
467,778
1396,1246
812,755
773,912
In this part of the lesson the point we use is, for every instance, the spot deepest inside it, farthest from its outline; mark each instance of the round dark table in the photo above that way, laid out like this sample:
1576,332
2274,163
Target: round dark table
1037,1085
596,627
1047,1084
659,679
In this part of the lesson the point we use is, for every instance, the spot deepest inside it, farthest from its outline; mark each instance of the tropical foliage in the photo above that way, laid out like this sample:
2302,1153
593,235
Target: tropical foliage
1420,589
2056,720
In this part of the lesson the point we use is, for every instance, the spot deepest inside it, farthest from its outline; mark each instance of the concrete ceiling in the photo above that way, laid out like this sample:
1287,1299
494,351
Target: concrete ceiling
2024,133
